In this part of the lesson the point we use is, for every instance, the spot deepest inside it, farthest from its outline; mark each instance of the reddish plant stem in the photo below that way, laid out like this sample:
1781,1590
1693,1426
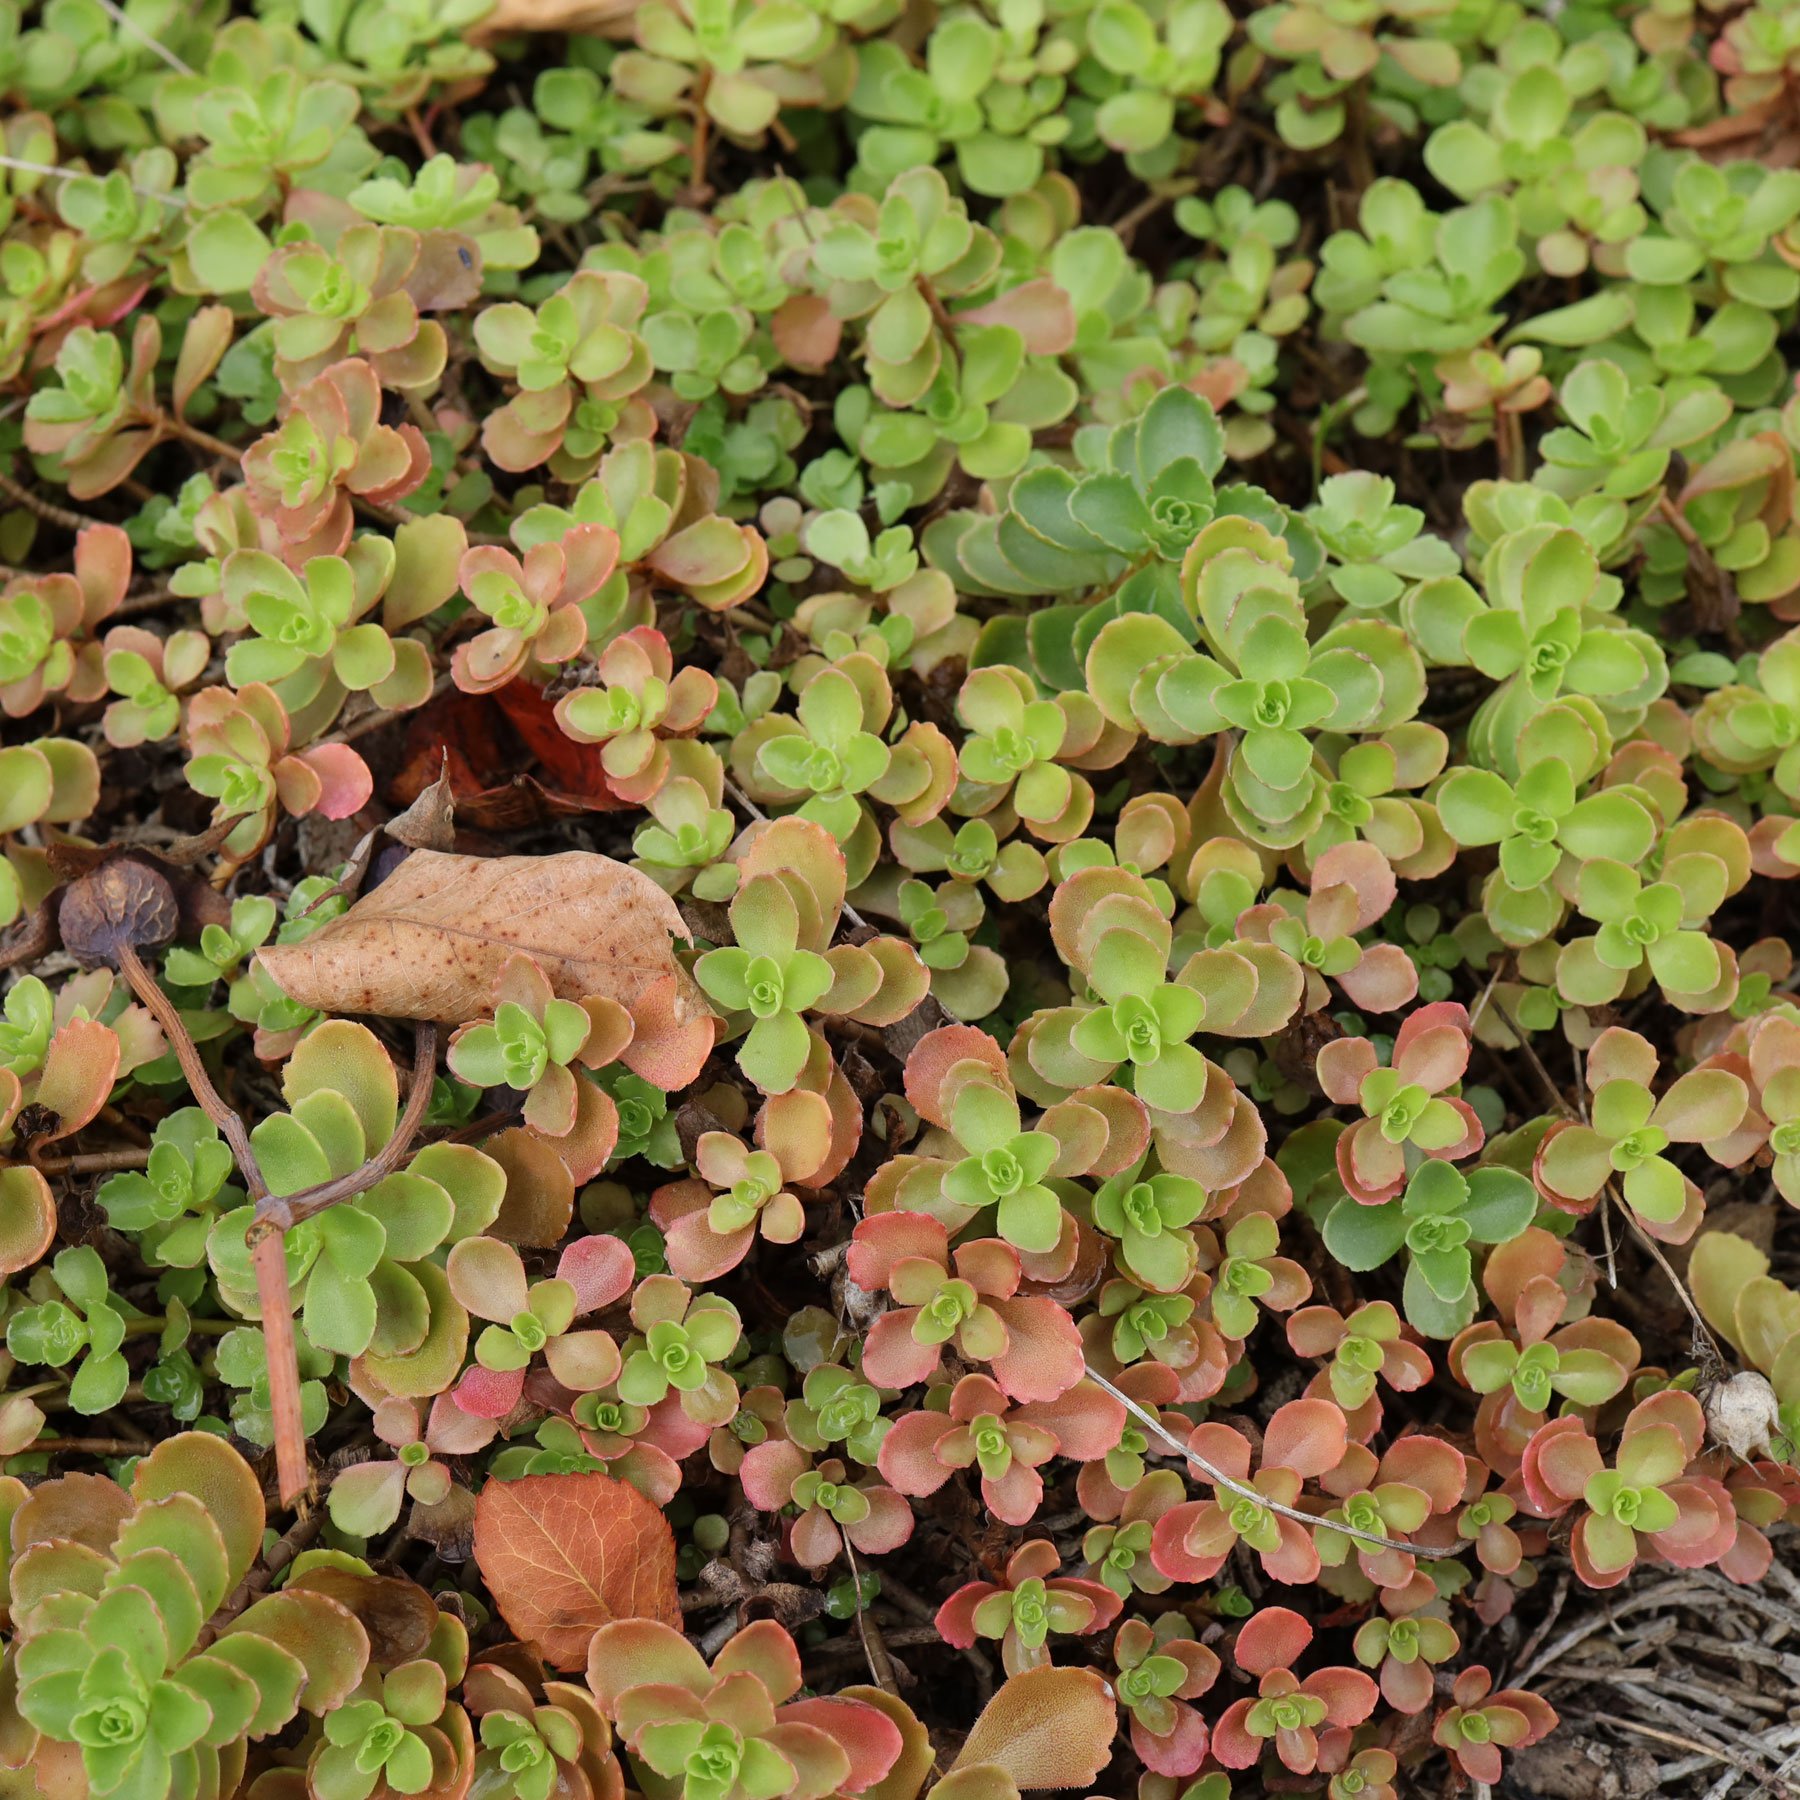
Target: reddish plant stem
275,1213
267,1237
270,1261
267,1257
939,312
699,191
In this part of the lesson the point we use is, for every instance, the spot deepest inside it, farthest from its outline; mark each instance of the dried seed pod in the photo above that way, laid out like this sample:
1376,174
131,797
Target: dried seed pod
123,901
1744,1414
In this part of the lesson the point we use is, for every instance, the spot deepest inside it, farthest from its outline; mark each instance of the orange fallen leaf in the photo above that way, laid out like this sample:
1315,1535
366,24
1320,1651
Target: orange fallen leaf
429,941
565,1554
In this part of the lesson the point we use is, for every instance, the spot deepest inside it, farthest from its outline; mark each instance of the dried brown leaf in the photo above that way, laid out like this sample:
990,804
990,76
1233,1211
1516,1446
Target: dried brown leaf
398,1615
429,941
565,1554
430,822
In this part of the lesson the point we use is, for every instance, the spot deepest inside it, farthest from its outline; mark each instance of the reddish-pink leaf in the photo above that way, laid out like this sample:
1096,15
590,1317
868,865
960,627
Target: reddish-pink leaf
1306,1436
935,1055
1274,1639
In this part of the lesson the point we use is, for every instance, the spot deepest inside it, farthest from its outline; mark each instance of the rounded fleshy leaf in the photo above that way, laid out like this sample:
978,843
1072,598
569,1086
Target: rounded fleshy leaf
601,1270
1046,1727
27,1218
1276,1638
487,1277
197,1463
1306,1436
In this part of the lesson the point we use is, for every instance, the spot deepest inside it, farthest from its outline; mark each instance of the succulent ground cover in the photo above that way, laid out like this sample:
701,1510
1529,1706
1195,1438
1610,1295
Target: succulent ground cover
897,899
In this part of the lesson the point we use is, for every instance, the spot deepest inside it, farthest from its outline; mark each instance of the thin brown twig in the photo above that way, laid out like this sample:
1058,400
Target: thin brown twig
85,1446
154,601
162,1009
1552,1092
378,716
30,940
282,1552
47,510
1672,516
1545,1626
1487,993
903,1637
95,1162
874,1648
177,426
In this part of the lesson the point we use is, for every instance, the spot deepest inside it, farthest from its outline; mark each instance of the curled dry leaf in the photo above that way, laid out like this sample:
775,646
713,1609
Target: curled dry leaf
428,943
430,822
565,1554
1047,1728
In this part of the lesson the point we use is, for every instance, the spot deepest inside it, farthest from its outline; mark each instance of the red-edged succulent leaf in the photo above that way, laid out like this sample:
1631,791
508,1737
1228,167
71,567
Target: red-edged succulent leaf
79,1070
935,1055
27,1218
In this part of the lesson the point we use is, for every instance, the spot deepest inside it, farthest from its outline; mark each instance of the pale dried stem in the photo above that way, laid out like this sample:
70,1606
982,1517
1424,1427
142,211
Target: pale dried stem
1245,1491
874,1646
1611,1196
120,17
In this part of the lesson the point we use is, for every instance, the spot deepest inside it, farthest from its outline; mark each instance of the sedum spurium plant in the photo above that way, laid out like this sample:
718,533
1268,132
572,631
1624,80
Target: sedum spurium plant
806,815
